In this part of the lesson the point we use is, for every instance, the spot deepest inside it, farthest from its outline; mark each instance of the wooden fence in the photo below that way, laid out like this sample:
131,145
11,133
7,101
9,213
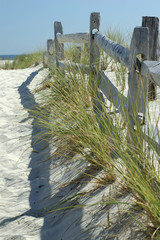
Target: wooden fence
144,72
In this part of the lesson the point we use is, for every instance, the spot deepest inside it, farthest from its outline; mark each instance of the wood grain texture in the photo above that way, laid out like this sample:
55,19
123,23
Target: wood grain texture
153,24
94,61
152,71
94,52
139,45
113,49
59,47
46,59
50,46
137,84
74,38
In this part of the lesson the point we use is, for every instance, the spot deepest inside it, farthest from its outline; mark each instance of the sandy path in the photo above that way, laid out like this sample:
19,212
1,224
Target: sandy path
30,187
15,148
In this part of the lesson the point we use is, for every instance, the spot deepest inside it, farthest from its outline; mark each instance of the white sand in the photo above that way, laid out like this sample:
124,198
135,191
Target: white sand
30,187
3,62
15,151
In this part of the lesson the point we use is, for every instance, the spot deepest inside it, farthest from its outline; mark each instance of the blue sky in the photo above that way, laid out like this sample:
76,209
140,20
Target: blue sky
25,25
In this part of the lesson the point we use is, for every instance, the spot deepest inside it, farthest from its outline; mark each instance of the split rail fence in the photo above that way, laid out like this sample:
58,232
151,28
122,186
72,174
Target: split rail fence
144,72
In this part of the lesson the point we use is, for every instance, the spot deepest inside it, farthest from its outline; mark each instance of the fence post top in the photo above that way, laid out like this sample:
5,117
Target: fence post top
94,21
58,27
50,41
57,22
150,18
140,42
141,31
95,13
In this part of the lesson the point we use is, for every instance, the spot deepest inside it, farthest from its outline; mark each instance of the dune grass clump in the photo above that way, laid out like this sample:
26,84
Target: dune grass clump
74,113
77,54
68,114
24,61
140,175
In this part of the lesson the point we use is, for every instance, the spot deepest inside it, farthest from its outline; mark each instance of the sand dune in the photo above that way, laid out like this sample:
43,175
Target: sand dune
30,187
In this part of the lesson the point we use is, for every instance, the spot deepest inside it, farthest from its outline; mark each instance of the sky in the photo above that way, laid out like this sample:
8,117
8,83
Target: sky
25,25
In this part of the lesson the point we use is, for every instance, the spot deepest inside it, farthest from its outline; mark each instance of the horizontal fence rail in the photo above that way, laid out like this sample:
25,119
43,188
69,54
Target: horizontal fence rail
141,70
112,93
120,54
151,69
73,38
113,49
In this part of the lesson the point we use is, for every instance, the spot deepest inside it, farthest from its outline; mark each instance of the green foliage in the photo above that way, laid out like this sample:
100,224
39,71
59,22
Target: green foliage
73,53
116,36
24,61
68,113
78,54
77,115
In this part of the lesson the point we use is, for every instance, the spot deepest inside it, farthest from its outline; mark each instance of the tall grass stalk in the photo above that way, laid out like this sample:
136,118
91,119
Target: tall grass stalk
71,113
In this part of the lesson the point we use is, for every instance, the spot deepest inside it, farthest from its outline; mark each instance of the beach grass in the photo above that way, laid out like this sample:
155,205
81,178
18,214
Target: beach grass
84,124
24,61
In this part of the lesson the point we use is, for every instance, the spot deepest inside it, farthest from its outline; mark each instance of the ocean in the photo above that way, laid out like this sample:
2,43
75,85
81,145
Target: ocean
8,57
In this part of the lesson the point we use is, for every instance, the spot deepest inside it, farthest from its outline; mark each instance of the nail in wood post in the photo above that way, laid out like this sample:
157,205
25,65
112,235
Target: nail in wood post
93,49
153,24
137,92
59,47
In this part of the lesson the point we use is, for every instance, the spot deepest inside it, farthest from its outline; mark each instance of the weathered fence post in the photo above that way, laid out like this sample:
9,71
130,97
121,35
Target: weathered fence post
153,24
137,92
46,59
50,47
94,53
50,51
94,57
59,47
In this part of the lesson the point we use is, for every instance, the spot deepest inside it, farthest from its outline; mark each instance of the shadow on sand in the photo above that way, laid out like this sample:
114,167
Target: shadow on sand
43,195
52,183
